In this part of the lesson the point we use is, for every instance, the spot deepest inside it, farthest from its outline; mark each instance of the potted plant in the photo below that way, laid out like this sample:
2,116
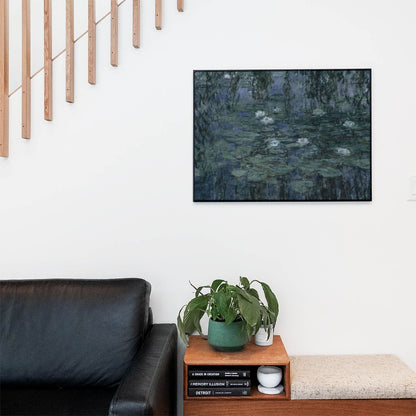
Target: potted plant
235,312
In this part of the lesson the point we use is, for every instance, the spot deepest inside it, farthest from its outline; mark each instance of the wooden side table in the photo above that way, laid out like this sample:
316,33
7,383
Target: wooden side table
200,353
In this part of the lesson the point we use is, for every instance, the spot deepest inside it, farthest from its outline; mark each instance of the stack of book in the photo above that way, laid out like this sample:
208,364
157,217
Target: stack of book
218,382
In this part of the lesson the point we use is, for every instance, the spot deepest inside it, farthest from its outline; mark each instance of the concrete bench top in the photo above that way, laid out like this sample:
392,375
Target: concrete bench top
340,377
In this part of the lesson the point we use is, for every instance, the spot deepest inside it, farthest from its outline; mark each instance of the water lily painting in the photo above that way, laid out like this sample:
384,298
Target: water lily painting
284,135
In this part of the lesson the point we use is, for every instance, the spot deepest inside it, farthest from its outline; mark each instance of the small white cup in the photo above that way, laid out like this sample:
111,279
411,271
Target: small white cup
269,375
262,337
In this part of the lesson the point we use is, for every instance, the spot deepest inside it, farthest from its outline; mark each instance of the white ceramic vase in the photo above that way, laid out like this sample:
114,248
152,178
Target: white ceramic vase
262,337
269,376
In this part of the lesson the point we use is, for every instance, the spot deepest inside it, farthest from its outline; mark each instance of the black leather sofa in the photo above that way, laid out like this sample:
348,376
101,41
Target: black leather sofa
84,347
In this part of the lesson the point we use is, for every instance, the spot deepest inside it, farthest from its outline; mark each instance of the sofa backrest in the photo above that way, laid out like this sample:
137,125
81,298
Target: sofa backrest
70,331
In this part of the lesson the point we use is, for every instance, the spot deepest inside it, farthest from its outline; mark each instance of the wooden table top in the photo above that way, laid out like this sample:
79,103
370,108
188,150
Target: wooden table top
200,352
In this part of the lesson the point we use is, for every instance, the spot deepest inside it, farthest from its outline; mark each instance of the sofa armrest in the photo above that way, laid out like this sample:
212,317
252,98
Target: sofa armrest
149,386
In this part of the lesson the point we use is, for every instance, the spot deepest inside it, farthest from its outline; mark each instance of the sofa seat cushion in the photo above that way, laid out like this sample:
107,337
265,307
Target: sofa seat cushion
52,401
351,377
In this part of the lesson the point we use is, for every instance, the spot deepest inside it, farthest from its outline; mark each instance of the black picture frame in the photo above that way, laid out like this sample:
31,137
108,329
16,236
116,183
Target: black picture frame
234,162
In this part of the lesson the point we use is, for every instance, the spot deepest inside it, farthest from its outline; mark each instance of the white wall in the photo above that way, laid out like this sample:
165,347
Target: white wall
106,188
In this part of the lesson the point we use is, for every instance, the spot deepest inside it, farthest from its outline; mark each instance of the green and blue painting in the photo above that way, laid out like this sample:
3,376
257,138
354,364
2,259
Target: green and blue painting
296,135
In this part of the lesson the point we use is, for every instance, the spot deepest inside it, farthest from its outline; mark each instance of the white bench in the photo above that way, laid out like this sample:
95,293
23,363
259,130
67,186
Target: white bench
352,385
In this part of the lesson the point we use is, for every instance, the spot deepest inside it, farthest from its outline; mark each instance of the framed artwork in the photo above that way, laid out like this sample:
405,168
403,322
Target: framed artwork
282,135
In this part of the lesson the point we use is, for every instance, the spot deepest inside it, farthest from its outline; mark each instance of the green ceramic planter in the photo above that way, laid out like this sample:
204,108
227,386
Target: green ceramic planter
227,338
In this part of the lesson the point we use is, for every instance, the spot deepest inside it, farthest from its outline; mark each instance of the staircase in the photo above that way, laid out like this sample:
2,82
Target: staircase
48,57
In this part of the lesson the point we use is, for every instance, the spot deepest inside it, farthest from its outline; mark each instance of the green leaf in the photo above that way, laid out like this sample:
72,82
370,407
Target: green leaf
230,317
246,295
190,323
258,324
249,330
271,299
216,284
249,310
241,292
193,314
265,317
181,327
199,290
198,303
222,302
244,282
254,293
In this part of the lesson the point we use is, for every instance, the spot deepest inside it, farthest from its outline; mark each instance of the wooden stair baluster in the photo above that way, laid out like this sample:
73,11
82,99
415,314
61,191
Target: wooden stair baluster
47,56
180,5
4,78
114,33
26,80
69,56
92,34
158,14
136,23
